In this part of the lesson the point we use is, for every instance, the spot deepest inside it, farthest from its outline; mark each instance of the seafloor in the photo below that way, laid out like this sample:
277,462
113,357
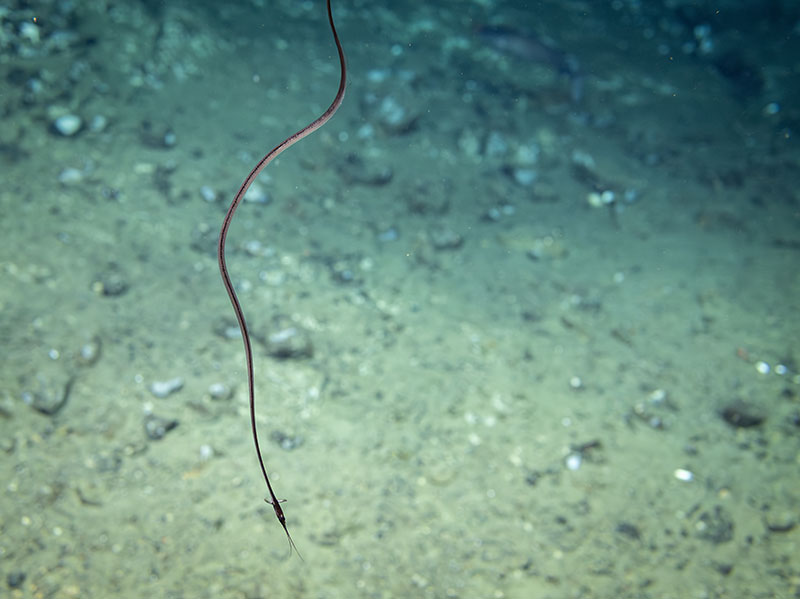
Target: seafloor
513,338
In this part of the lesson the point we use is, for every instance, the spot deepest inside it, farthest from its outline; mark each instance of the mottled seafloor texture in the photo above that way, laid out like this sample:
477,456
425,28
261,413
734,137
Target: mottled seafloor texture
525,312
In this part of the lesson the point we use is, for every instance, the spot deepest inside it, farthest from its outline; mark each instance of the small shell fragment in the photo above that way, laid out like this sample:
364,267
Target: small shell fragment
684,475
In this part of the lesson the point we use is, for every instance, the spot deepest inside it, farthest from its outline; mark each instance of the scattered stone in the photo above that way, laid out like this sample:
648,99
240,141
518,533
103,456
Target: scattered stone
387,235
52,393
256,194
395,116
716,526
287,442
780,521
444,238
354,169
287,340
219,391
157,135
629,530
524,176
208,193
156,427
162,389
111,282
67,125
89,353
15,579
70,176
741,414
98,123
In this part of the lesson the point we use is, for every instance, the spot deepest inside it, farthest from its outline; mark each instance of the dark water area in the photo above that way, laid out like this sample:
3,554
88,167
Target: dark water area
525,312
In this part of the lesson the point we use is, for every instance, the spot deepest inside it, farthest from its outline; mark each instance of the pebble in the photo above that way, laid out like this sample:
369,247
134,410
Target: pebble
287,442
52,393
208,193
98,123
67,125
288,341
70,176
387,235
446,239
162,389
257,194
156,427
219,391
525,176
15,579
90,352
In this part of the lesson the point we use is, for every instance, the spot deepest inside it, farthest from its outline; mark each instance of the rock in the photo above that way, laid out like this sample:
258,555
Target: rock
162,389
355,169
444,238
111,282
220,391
52,392
715,527
158,134
89,352
256,194
287,340
287,442
15,579
67,125
156,427
741,414
784,521
70,176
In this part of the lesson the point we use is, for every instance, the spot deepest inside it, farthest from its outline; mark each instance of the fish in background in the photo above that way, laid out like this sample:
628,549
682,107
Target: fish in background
526,46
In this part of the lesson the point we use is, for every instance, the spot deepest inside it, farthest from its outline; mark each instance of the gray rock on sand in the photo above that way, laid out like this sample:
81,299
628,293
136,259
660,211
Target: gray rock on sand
67,125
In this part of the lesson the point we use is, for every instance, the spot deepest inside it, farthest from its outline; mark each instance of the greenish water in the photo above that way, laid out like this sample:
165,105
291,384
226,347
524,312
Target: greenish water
493,388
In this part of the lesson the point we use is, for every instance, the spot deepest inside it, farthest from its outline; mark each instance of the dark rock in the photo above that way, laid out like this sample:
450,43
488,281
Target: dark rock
723,569
742,414
111,282
15,579
287,442
716,526
51,392
156,427
157,135
629,530
354,169
780,521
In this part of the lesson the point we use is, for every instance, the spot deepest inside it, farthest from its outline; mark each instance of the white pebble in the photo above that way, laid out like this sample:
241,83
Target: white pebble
68,124
762,367
29,31
70,176
98,123
219,391
208,193
573,461
525,176
256,194
684,475
162,389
